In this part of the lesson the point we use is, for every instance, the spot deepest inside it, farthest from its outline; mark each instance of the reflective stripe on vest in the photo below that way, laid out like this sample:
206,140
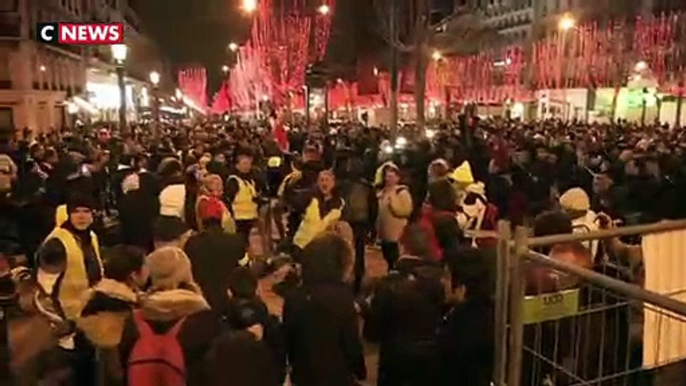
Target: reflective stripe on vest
74,286
244,205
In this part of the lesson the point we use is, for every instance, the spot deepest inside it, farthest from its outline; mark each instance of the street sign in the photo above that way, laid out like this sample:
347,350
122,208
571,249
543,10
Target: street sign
552,306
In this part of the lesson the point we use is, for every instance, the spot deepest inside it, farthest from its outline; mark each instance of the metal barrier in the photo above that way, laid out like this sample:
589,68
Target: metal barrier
558,323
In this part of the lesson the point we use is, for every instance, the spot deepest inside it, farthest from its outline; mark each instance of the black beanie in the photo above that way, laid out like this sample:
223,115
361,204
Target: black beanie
79,200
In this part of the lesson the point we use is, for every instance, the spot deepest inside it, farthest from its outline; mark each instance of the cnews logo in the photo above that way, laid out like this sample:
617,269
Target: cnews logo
82,33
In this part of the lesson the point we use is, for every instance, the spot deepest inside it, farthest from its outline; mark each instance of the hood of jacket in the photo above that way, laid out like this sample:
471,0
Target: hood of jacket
105,314
172,305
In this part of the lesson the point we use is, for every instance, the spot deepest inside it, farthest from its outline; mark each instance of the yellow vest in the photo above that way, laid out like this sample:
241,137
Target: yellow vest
313,224
61,215
244,205
73,291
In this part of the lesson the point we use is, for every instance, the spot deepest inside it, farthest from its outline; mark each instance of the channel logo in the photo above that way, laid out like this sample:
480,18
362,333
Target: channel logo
81,33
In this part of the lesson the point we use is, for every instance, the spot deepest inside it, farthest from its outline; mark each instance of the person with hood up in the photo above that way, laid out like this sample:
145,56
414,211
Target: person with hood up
405,311
394,210
110,304
172,305
576,203
477,214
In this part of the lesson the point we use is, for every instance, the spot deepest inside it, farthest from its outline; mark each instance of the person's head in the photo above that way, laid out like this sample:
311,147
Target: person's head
442,195
37,151
205,159
391,175
327,259
242,284
213,185
415,241
244,163
470,276
602,183
170,269
170,167
80,210
326,182
170,231
575,202
126,264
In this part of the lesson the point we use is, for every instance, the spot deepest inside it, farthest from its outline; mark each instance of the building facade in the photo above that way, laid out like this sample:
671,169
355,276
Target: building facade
35,79
39,83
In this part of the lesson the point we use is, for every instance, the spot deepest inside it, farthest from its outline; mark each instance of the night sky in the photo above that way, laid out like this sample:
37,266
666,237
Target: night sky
199,31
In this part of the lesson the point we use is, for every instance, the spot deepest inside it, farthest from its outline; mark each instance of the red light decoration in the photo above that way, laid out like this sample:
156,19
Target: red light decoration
282,43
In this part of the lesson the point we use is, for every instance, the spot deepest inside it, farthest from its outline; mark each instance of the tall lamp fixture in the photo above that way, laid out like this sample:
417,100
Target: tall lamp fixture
119,52
155,81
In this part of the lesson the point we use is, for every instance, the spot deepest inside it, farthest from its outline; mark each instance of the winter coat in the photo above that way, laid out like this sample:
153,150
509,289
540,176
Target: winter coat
213,254
405,312
394,210
322,339
102,323
466,345
162,310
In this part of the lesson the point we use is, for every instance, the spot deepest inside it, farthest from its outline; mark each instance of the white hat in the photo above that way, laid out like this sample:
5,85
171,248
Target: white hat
575,199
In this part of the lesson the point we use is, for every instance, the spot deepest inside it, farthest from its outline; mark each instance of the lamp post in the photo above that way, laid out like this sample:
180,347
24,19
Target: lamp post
566,23
119,52
155,81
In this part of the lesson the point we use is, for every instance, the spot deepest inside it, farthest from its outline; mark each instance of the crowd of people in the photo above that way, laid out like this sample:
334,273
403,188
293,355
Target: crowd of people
138,246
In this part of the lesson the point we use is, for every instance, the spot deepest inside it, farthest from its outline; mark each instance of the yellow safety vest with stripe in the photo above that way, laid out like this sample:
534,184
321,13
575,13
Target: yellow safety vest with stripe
244,205
73,290
313,224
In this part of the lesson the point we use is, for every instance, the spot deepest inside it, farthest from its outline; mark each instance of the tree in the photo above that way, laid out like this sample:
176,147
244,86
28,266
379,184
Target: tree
420,34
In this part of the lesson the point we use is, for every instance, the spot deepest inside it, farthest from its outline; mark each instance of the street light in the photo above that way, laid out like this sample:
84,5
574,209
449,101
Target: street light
119,52
250,6
42,68
641,66
324,9
566,23
436,55
155,78
233,46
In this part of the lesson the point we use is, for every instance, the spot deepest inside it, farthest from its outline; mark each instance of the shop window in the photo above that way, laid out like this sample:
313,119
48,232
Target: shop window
6,118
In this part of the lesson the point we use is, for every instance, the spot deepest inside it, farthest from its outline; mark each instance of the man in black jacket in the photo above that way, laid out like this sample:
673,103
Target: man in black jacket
405,312
213,254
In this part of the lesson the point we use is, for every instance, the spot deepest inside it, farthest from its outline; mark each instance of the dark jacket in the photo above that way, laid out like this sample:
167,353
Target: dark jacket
322,339
213,255
240,356
466,345
405,313
162,310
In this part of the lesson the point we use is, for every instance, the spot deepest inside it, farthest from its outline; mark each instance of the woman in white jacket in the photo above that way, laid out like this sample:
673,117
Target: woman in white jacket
395,208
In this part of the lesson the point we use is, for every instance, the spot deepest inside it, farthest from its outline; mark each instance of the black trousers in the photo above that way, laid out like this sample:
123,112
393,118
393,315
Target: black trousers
391,253
360,238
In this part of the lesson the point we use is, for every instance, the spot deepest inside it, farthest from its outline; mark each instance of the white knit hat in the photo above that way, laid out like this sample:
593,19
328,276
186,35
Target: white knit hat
575,199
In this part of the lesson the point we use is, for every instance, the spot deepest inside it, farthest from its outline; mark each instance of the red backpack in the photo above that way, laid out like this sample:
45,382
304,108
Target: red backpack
156,360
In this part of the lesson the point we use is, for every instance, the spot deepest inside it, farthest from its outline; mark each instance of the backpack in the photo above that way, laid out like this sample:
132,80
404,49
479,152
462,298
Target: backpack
357,203
156,360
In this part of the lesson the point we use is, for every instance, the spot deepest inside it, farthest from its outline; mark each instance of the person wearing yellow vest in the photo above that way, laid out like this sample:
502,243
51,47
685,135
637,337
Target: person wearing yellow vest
242,195
69,259
322,212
